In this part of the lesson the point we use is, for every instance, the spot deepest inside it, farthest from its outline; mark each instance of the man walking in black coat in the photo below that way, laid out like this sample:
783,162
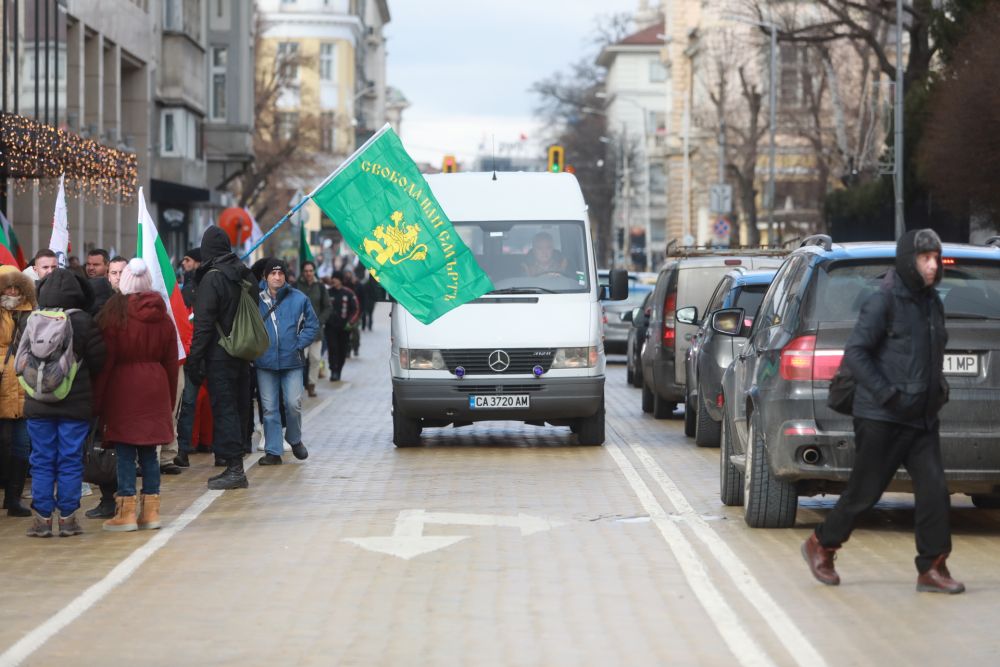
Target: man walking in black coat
219,283
896,354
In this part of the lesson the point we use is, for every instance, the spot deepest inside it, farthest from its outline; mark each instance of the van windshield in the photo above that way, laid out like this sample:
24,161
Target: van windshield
530,257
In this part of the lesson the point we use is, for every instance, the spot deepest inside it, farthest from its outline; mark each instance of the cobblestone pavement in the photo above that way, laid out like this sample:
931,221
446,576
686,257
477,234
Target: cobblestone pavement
559,555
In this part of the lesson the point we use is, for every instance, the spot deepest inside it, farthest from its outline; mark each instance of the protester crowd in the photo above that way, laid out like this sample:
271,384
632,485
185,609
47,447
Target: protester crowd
97,386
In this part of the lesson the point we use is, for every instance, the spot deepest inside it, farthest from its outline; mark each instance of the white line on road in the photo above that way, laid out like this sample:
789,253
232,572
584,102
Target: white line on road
35,639
744,648
801,650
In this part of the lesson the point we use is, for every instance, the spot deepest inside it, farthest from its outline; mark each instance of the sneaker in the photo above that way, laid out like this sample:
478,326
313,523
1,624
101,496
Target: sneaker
260,445
182,460
69,526
287,446
170,468
40,526
300,452
85,490
269,460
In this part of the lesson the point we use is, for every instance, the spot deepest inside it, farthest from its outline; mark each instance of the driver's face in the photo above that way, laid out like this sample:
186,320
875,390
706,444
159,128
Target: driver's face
543,250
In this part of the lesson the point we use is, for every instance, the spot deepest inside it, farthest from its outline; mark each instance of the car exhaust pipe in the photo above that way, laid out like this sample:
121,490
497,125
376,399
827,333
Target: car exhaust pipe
811,455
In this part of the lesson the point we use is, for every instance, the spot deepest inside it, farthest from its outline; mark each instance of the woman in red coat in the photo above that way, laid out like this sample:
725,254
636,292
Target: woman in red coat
136,392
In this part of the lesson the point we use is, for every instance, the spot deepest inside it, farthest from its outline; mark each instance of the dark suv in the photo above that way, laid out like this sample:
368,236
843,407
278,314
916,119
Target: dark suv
781,441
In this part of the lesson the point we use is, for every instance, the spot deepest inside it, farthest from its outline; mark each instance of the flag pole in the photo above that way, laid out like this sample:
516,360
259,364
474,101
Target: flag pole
309,196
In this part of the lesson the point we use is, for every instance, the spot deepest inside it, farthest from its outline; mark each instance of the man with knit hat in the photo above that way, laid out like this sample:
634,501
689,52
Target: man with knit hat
292,326
896,354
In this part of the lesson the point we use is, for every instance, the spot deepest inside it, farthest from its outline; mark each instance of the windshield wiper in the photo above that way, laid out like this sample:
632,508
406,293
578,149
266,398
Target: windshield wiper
971,316
523,290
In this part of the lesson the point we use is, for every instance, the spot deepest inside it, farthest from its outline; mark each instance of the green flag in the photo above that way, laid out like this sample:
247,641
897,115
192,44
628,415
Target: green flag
387,214
305,251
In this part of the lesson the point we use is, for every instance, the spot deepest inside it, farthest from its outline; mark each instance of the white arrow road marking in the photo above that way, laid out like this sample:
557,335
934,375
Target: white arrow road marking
408,540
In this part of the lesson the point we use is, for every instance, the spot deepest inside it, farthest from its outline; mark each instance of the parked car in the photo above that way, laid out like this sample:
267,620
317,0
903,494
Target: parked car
711,353
638,319
686,280
616,329
780,440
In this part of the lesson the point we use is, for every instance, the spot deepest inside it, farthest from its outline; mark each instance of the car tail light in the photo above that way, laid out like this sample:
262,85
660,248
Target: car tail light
734,262
720,400
669,308
800,430
801,361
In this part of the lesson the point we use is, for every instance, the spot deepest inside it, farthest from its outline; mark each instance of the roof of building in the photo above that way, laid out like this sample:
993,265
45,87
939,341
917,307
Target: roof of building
641,41
647,36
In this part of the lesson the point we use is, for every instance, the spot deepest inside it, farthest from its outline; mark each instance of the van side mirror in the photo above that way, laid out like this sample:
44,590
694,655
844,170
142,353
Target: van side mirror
617,285
688,315
728,322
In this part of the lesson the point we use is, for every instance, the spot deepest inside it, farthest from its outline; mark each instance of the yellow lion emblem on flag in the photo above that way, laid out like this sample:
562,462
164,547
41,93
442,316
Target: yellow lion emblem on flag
396,243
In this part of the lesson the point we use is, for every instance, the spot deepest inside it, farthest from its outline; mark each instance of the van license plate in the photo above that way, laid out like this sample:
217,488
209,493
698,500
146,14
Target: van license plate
499,401
961,364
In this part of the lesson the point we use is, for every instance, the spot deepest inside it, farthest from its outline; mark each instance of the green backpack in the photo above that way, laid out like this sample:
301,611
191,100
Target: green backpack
248,338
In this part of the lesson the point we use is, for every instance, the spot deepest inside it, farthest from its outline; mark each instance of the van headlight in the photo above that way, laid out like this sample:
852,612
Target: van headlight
421,360
575,357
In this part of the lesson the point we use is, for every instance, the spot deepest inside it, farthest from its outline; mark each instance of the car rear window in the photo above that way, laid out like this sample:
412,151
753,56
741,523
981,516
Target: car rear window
968,289
749,299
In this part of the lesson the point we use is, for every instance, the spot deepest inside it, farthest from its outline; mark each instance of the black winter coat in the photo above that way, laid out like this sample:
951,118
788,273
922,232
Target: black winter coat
897,365
64,289
218,297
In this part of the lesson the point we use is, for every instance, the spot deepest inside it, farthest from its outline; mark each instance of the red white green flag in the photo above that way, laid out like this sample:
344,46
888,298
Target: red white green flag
150,248
9,248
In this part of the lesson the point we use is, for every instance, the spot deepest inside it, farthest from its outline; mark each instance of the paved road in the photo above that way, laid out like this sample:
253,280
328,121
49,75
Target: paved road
492,545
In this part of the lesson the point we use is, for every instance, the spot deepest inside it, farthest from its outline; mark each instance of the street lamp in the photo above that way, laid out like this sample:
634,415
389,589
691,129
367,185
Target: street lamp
772,101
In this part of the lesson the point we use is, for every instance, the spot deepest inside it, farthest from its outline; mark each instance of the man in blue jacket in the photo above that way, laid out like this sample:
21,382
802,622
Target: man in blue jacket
292,326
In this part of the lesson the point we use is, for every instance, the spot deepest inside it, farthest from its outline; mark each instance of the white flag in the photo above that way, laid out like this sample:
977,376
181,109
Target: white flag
255,232
59,243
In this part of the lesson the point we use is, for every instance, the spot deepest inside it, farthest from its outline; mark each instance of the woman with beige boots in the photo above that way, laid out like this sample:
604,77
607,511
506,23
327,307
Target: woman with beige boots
136,392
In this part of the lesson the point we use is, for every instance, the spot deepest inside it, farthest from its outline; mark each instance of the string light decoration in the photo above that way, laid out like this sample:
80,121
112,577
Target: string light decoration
32,152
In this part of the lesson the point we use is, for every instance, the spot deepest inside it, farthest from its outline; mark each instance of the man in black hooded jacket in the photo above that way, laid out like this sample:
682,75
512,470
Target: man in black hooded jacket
219,281
896,354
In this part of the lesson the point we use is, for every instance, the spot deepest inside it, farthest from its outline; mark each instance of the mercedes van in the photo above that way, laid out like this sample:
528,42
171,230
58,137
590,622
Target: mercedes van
532,349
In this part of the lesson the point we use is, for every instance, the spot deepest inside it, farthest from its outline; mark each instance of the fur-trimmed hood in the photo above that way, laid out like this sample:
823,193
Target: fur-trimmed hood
10,276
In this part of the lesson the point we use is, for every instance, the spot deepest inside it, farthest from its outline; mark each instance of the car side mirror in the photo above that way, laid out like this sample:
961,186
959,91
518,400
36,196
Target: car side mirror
627,316
617,285
688,315
728,322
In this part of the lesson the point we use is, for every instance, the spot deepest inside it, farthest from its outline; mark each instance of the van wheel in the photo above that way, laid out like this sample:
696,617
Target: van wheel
730,477
689,417
707,432
590,430
647,399
662,408
986,501
768,502
405,431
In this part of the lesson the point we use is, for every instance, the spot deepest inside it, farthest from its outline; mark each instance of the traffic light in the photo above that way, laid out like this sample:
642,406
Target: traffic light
449,165
557,158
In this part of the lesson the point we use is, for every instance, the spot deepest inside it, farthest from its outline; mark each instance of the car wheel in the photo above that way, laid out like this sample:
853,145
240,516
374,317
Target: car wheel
630,375
405,431
637,376
707,430
986,501
730,477
590,430
647,399
662,408
689,417
768,502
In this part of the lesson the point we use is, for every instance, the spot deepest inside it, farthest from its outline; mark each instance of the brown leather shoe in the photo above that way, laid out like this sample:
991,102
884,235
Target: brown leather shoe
311,390
938,580
820,561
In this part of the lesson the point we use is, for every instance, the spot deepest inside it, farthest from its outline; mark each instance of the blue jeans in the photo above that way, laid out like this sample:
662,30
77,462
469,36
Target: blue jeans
185,419
57,458
288,384
150,464
20,444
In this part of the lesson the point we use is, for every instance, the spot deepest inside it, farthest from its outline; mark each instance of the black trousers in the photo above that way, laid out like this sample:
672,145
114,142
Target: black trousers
337,347
229,391
880,448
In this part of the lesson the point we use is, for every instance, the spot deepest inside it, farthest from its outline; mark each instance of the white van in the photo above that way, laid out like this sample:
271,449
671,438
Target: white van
532,350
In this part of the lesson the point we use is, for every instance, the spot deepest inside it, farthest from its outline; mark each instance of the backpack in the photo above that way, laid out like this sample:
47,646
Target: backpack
46,363
842,386
248,338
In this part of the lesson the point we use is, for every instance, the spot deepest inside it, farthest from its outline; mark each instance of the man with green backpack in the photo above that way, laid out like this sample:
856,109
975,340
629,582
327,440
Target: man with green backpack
228,334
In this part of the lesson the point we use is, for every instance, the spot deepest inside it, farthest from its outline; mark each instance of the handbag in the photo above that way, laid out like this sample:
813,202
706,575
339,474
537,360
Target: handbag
841,396
100,465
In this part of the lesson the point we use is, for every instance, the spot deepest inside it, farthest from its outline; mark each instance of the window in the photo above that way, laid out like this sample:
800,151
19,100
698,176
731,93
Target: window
327,134
288,124
326,61
169,138
218,90
288,62
795,86
173,15
220,8
180,134
657,71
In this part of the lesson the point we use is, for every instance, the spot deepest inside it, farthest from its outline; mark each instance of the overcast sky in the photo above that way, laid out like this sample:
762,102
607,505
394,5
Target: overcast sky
466,66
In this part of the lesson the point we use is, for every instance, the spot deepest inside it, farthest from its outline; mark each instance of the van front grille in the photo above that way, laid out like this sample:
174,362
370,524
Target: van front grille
477,362
497,388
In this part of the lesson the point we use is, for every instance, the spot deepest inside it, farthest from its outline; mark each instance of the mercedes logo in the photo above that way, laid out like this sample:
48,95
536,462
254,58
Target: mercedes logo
499,361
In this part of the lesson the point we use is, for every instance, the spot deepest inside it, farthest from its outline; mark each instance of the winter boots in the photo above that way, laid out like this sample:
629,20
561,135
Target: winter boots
16,473
41,526
124,519
938,580
149,517
232,478
69,526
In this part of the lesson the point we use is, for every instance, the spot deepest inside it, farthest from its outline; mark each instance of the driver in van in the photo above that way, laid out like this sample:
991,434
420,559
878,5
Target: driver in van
543,259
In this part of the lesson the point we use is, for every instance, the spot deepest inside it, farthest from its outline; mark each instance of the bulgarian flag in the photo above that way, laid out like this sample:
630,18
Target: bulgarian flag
150,248
10,250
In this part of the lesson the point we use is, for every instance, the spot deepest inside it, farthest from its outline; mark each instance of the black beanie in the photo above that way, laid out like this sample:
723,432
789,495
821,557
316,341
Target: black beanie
272,263
911,244
194,253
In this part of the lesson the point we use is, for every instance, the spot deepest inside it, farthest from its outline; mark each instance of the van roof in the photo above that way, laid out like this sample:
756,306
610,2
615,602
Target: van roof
475,196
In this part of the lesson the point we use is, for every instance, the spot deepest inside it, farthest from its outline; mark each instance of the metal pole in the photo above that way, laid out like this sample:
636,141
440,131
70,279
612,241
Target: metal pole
627,188
898,161
771,241
645,204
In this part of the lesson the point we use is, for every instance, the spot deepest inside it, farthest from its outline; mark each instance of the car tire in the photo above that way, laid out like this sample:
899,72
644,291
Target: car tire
630,375
707,431
689,416
662,408
647,399
730,477
405,430
986,501
768,502
590,430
